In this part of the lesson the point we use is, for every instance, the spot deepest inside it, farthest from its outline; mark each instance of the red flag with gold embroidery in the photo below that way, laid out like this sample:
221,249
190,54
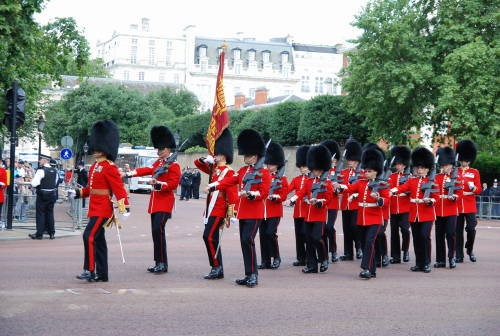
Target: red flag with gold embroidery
220,117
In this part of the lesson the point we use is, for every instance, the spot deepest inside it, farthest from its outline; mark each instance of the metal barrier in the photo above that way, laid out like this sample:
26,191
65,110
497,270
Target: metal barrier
488,207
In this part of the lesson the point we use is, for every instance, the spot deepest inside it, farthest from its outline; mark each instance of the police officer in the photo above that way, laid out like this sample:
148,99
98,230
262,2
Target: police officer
45,181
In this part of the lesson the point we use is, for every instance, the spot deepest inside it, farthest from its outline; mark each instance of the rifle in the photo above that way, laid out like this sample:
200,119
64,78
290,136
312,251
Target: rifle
253,177
451,185
355,177
317,187
163,169
406,176
277,183
427,187
383,181
338,177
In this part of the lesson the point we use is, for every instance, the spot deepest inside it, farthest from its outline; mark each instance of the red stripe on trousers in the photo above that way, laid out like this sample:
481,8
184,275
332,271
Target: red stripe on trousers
211,242
91,243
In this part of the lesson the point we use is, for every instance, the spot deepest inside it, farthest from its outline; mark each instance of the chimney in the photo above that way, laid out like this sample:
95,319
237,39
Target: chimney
260,96
239,100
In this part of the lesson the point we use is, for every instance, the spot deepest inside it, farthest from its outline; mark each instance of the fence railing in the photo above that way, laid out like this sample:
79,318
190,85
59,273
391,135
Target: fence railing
488,207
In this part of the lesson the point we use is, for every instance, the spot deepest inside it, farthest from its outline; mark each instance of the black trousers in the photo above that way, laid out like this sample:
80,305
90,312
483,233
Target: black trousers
45,214
96,250
330,235
269,247
248,231
185,192
196,191
351,232
211,239
381,242
446,228
158,221
470,228
421,232
300,239
399,222
315,245
369,235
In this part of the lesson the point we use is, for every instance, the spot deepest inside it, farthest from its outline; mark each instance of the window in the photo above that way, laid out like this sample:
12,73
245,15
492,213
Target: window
284,58
161,78
133,55
176,78
266,56
236,54
318,87
251,93
134,41
141,76
126,75
203,66
151,55
237,69
203,51
151,42
251,55
304,84
168,54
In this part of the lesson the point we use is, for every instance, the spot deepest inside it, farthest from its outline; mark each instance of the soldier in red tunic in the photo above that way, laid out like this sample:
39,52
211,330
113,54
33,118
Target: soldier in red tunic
422,210
254,187
446,208
3,186
371,202
317,192
400,206
220,204
334,204
300,208
350,208
104,182
166,175
471,184
269,247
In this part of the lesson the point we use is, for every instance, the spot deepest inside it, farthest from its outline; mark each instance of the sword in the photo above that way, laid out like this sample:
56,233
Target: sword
221,231
120,241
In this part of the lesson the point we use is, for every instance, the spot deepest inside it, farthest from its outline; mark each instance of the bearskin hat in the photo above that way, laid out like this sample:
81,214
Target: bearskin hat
105,138
446,156
422,157
401,154
353,150
275,155
333,147
301,156
161,137
251,143
371,145
467,151
372,159
224,145
318,157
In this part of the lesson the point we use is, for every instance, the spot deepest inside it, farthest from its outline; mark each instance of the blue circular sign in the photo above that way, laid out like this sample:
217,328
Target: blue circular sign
66,154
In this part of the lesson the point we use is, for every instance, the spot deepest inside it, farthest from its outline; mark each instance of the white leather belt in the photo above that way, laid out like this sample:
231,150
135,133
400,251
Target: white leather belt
417,200
468,193
400,195
367,205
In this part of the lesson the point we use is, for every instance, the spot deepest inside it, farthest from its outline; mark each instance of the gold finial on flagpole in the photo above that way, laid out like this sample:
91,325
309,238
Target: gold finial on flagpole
224,45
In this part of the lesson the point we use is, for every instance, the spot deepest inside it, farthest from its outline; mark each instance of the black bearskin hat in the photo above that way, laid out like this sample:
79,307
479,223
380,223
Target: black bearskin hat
275,155
105,138
251,143
422,157
301,156
318,157
371,145
353,150
446,156
224,145
161,137
333,147
372,159
467,151
401,154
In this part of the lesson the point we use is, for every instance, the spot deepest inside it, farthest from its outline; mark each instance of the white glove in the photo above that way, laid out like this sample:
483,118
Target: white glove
71,193
210,159
233,220
471,185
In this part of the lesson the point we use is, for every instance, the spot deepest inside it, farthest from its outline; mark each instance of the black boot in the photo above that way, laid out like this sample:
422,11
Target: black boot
276,263
346,257
395,261
385,261
439,264
242,281
160,268
51,236
335,258
359,253
459,259
215,273
416,268
264,266
427,268
252,280
365,274
309,270
99,277
453,264
472,257
324,266
406,256
84,276
152,268
34,236
299,263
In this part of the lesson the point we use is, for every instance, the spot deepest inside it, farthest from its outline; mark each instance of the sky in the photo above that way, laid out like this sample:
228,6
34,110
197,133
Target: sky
325,22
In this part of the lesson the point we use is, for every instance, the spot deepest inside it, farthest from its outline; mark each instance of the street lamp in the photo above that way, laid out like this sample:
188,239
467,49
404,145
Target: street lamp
85,150
40,124
176,138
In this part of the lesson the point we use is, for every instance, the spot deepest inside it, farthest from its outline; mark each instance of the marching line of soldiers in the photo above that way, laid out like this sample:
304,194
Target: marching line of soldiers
440,190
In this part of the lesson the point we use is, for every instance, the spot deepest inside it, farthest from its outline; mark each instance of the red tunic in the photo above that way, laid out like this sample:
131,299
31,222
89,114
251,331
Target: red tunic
3,184
467,203
369,212
248,209
419,212
162,200
345,204
226,197
400,203
301,208
334,203
103,175
274,208
315,214
444,206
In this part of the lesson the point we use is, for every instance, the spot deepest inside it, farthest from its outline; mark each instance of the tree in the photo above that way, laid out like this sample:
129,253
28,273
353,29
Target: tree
258,120
181,102
284,122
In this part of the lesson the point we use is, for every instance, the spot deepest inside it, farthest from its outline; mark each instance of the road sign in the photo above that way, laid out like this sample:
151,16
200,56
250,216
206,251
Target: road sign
66,154
67,141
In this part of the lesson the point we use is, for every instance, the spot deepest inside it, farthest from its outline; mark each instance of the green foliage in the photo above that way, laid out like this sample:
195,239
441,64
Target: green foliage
196,149
258,120
284,122
488,166
181,102
192,127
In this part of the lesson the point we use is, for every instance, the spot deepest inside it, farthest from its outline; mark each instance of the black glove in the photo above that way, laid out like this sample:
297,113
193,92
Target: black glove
319,204
380,202
251,197
212,189
157,186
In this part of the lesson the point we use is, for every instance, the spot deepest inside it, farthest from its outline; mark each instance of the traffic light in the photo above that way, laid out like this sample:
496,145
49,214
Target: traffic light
20,106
